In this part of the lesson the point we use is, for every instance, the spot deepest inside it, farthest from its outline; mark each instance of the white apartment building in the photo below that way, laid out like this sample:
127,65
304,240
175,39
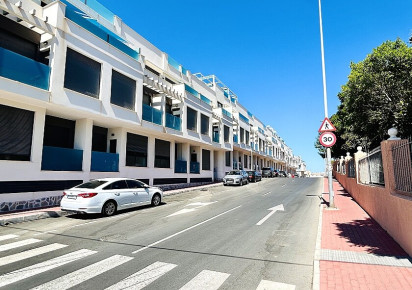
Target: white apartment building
84,96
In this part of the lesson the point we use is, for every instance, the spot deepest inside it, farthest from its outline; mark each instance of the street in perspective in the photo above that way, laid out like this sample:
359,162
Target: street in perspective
200,145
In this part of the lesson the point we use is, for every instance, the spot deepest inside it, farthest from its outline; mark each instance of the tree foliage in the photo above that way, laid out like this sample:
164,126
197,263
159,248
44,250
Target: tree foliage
377,96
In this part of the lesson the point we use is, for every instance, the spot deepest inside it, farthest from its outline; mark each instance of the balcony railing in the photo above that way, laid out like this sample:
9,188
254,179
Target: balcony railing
235,139
100,9
61,159
226,113
195,167
173,122
206,100
216,137
94,27
243,118
104,162
261,130
180,166
23,69
152,115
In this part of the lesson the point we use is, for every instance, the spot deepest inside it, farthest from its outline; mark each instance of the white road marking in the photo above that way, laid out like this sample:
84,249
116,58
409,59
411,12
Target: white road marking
30,253
206,280
187,210
8,237
268,285
42,233
30,271
185,230
14,245
273,210
283,185
84,274
144,277
266,193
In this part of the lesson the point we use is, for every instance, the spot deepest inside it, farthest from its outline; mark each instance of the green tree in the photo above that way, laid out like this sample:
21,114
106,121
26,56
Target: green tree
377,96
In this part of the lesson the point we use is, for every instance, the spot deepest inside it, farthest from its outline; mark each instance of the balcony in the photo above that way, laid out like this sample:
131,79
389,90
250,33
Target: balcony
104,162
173,122
61,159
195,167
151,114
23,69
180,166
226,113
216,137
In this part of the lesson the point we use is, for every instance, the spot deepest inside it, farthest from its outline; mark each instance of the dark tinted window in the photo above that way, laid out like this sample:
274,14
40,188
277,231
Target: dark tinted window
242,135
136,150
226,133
266,168
121,184
162,154
99,140
234,173
82,74
59,132
16,130
91,184
191,119
227,155
205,159
123,91
204,125
135,183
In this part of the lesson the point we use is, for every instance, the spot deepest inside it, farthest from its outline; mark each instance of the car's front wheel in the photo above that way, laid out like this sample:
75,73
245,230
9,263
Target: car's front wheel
109,208
156,199
241,182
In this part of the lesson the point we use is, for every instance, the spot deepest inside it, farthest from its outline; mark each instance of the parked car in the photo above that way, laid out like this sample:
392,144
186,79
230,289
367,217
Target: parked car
108,195
268,172
275,173
282,173
236,177
254,176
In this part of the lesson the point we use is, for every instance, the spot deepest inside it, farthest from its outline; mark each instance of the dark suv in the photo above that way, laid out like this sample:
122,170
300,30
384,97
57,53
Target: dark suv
268,172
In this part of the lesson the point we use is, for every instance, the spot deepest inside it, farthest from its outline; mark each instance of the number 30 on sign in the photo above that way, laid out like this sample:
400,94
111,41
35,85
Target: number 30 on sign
327,139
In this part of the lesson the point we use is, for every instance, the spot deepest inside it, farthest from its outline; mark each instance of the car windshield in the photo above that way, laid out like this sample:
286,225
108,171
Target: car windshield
251,172
234,173
265,168
91,184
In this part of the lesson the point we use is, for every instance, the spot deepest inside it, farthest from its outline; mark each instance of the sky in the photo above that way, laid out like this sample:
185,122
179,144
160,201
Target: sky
268,52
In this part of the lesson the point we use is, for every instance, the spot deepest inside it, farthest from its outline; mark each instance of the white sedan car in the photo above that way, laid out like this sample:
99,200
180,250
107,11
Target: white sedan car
107,195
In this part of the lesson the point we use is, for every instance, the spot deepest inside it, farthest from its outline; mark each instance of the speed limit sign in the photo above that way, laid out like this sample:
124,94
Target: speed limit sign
327,139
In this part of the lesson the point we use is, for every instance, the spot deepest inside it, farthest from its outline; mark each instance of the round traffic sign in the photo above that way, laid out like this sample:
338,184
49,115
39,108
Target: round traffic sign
327,139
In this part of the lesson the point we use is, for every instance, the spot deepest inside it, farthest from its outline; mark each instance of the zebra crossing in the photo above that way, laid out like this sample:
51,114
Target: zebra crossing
205,280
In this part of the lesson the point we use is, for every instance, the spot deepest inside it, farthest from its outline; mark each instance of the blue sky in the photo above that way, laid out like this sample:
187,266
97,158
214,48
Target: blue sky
268,52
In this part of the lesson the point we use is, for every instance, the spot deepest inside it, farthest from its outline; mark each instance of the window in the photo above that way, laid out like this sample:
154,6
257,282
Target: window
227,157
99,140
123,91
245,159
59,132
136,150
191,119
242,135
82,74
226,133
247,137
205,159
204,124
135,184
162,154
92,184
16,130
121,184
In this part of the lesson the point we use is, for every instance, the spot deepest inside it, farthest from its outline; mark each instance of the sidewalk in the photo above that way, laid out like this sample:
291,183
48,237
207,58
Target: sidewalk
354,252
23,216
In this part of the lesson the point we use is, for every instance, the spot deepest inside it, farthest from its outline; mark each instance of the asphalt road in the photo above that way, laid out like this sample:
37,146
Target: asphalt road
259,235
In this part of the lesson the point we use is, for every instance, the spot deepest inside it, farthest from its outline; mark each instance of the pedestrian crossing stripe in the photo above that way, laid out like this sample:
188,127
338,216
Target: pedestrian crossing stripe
7,237
30,271
206,279
18,244
84,274
144,277
266,285
30,253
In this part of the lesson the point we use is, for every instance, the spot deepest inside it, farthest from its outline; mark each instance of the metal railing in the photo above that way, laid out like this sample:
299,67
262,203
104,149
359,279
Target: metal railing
351,168
402,165
343,168
371,168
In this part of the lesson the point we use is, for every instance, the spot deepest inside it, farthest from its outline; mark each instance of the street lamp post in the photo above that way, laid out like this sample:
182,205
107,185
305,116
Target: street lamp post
325,104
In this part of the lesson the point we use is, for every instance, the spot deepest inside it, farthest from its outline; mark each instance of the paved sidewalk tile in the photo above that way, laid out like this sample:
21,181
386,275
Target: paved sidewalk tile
338,275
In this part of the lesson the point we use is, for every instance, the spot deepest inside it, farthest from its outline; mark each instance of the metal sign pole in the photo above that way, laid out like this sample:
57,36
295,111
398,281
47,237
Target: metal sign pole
325,103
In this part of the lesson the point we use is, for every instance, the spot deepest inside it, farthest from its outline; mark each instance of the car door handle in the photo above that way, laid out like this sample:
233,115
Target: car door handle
117,193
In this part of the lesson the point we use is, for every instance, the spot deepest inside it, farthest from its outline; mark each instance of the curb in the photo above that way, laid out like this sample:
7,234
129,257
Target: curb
44,213
316,259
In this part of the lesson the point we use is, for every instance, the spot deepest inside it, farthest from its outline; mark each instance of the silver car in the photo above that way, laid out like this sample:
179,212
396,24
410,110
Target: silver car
236,177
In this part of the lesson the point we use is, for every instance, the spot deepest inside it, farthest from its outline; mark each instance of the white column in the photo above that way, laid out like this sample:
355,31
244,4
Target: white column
83,141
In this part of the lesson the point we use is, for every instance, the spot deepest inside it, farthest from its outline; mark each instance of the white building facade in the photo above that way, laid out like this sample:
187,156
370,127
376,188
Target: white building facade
84,96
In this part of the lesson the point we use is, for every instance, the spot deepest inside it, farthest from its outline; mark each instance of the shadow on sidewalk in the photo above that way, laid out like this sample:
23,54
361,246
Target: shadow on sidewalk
368,234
